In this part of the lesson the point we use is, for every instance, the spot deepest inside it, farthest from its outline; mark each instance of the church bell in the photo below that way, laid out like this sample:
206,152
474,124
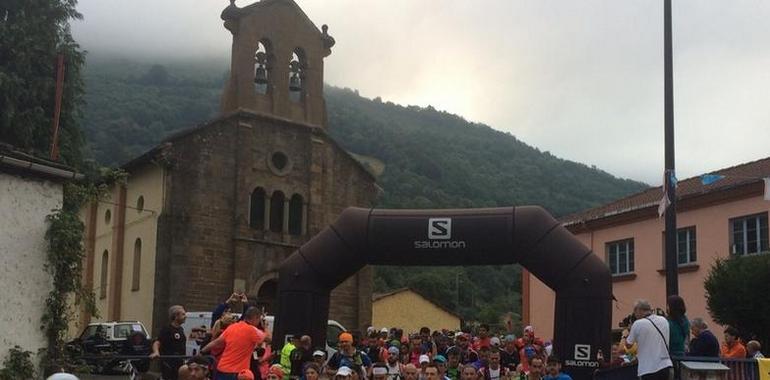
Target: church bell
294,83
260,76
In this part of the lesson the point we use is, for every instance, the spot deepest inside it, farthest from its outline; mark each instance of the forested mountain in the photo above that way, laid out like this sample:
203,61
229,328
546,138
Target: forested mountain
426,159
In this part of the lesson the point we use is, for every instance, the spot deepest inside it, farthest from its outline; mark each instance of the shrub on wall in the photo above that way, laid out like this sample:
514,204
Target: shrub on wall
65,238
17,365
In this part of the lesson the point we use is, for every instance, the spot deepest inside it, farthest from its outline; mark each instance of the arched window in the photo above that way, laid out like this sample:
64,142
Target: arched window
137,270
276,211
103,275
297,66
257,209
262,60
140,204
295,215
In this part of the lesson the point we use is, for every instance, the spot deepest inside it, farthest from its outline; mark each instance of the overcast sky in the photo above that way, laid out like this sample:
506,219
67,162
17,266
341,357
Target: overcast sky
581,79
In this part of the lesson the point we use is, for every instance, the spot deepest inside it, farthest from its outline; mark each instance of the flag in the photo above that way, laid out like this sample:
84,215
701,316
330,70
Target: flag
663,205
767,188
708,179
668,176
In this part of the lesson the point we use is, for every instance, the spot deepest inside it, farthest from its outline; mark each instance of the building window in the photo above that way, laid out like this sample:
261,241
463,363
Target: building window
137,270
140,204
279,160
620,256
685,246
279,163
257,209
295,215
107,216
103,275
686,252
749,234
276,211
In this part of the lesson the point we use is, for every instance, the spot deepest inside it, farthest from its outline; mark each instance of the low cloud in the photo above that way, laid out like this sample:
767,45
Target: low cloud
583,80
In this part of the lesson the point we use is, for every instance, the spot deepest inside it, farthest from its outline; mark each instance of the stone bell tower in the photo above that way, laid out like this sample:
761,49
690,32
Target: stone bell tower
277,62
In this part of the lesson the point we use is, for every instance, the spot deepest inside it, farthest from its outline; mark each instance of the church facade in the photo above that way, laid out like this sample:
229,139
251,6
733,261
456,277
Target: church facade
216,208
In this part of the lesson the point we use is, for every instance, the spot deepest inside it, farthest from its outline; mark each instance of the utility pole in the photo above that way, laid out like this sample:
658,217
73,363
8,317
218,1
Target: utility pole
672,280
54,154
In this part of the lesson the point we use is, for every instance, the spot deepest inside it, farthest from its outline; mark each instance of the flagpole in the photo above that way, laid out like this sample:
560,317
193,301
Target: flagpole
672,280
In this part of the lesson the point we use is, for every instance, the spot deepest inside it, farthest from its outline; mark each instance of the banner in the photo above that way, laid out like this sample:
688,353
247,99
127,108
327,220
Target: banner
708,179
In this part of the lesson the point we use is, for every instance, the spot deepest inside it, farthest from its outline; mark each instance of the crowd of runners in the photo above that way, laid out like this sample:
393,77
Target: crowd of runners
240,349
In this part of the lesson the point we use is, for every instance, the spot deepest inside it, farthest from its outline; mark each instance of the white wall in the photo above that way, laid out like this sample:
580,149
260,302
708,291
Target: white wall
24,283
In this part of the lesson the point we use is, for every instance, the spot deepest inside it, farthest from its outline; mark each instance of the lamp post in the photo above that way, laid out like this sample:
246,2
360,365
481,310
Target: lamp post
672,281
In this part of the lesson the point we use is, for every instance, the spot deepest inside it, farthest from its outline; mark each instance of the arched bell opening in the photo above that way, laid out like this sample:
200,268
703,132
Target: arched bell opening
297,67
262,66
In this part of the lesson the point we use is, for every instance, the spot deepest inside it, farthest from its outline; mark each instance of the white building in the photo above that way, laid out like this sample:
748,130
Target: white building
30,189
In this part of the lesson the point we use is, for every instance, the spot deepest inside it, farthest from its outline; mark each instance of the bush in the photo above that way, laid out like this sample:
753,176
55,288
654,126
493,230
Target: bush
736,295
18,365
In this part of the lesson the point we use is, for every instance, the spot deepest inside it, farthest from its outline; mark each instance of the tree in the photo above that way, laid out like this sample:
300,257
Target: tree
32,34
736,294
156,76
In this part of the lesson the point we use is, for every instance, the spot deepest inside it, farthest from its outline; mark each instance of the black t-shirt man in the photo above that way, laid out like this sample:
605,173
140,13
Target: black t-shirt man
299,356
509,360
172,342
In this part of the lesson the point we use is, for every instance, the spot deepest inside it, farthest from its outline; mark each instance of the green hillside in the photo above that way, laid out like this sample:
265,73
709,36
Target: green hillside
427,159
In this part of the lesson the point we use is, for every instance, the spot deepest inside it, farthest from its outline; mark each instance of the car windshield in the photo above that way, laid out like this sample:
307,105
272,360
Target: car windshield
332,335
88,332
125,329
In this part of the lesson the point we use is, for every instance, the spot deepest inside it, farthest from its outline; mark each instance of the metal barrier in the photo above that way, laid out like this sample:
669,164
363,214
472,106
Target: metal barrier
740,369
126,363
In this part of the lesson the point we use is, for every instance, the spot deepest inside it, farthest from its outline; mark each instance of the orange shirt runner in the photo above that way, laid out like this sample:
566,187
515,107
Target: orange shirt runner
240,341
737,351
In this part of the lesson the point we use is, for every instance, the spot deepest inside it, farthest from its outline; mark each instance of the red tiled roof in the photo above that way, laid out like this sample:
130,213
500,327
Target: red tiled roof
743,174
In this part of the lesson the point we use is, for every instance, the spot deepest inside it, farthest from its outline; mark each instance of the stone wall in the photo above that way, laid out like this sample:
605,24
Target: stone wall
24,283
207,248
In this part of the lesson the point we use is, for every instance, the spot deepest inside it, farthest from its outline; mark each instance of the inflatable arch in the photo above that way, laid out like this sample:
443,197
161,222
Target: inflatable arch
527,235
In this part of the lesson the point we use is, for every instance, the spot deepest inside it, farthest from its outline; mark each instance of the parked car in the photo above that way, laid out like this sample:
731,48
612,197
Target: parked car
105,339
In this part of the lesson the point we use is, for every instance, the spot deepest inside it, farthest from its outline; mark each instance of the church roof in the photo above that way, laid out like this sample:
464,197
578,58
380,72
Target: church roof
259,5
157,152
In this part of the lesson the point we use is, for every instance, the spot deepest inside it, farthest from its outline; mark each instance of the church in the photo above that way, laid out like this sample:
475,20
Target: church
216,208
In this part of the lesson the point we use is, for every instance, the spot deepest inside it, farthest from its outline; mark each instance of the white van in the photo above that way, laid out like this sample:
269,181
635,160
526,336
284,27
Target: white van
200,321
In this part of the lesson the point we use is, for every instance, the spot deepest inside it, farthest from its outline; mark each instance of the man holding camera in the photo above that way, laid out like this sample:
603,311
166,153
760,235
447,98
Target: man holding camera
235,300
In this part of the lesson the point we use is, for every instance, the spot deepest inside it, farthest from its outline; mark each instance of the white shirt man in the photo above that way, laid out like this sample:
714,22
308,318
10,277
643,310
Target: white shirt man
651,333
394,367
